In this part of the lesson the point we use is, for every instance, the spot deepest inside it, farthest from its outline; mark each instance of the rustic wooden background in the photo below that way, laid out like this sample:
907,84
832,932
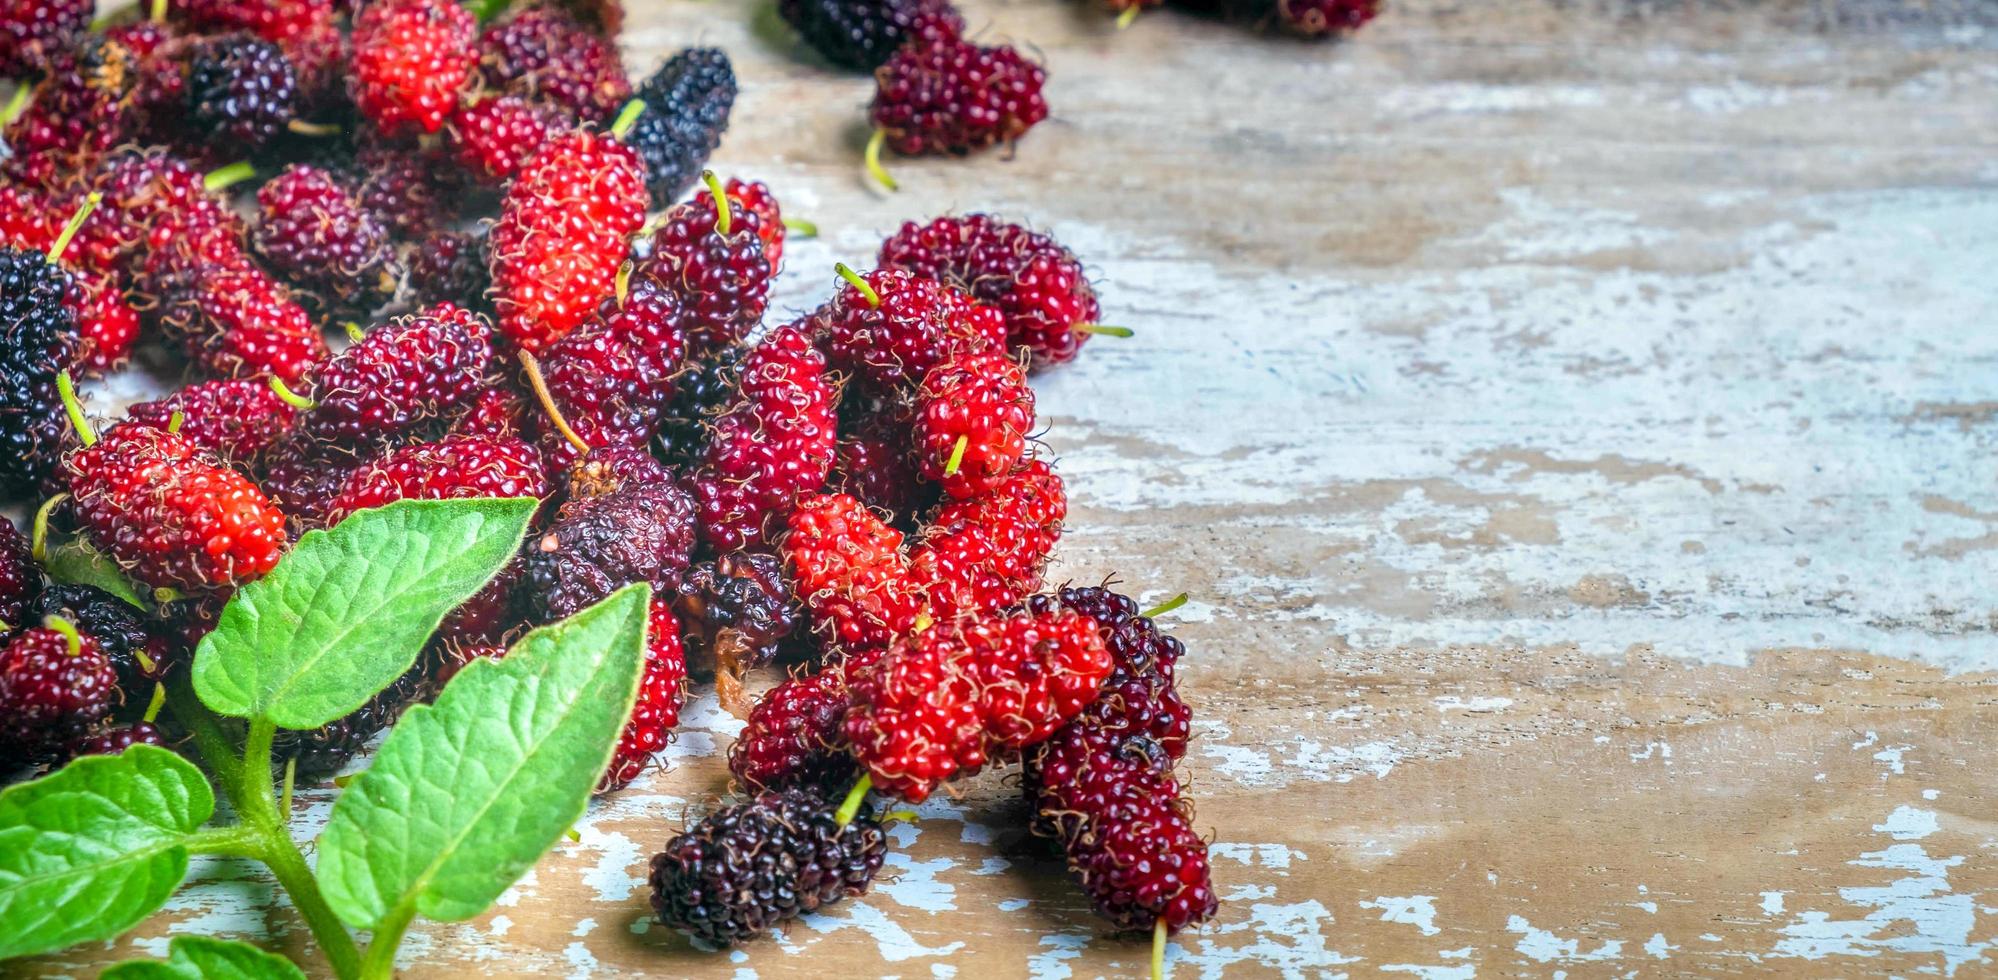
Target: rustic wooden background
1574,423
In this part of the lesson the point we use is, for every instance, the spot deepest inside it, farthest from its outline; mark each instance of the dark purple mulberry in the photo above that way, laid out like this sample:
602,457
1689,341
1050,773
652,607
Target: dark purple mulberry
734,612
315,233
687,102
759,864
240,92
643,532
859,35
37,337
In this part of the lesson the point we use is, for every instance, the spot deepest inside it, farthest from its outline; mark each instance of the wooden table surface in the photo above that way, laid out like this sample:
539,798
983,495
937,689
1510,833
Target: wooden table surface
1574,422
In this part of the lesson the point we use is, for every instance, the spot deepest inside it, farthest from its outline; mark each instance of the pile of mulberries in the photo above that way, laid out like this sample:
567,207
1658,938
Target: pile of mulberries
399,254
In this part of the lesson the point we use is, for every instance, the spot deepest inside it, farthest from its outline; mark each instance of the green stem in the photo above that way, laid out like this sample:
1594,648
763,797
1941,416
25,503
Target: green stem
627,117
66,387
720,195
208,737
854,797
240,840
256,800
17,103
380,961
800,227
1165,607
74,225
873,160
1158,932
1130,14
956,456
867,291
221,179
1104,330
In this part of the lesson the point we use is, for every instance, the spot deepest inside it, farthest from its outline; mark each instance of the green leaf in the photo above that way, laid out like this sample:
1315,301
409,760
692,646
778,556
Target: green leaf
75,562
467,793
347,612
89,850
201,958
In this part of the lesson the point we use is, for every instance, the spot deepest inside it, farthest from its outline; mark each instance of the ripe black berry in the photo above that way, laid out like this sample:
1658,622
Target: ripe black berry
687,102
758,864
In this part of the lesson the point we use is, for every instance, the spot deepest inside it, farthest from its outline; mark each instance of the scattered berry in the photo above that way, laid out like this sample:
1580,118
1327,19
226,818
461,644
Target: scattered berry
643,532
168,511
734,612
775,445
850,571
547,56
240,92
450,468
943,94
561,236
238,420
722,278
759,864
989,551
612,377
1035,283
794,736
54,684
80,111
908,326
702,391
139,655
945,701
404,378
237,322
20,577
657,710
32,31
113,741
1316,18
972,431
450,267
312,231
859,35
411,59
493,138
687,103
37,338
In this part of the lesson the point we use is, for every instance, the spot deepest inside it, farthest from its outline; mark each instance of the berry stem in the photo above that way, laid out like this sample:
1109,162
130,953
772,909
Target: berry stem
38,537
353,330
75,224
574,836
157,13
627,117
153,707
222,178
1158,932
67,389
1104,329
623,283
1165,607
847,273
800,227
176,420
303,128
956,456
17,103
547,399
721,201
873,158
255,800
68,631
854,797
1125,19
148,665
489,9
290,397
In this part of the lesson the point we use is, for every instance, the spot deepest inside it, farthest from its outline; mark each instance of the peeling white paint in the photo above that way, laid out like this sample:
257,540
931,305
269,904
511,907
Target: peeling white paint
1415,910
1772,903
1543,946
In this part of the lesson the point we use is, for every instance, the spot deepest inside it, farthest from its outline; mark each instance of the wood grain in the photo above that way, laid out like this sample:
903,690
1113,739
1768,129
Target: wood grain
1574,424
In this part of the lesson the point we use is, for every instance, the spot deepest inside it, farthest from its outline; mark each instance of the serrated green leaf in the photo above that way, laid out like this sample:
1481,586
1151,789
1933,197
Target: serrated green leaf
467,793
75,562
349,609
201,958
89,850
